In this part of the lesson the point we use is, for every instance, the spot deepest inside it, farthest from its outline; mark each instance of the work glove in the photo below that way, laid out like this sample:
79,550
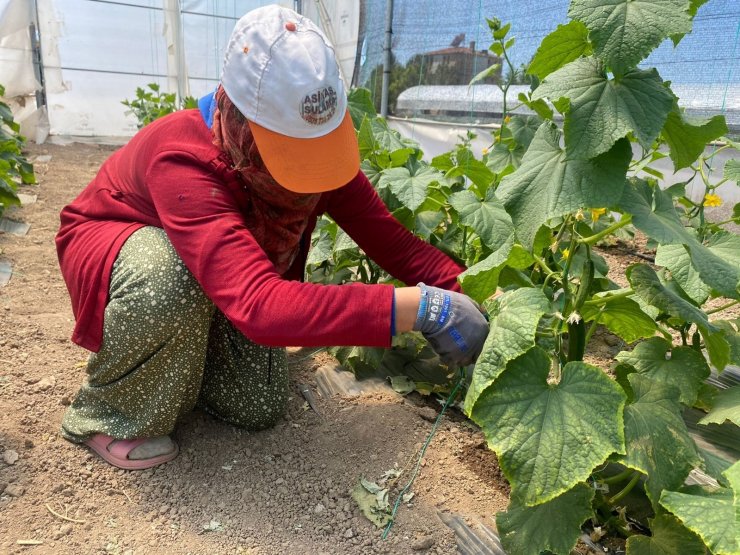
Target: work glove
452,323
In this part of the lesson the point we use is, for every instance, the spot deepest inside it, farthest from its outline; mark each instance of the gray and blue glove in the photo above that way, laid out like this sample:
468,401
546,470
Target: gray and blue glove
452,323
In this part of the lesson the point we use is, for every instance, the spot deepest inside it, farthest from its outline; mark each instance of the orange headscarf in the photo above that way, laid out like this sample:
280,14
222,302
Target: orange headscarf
276,217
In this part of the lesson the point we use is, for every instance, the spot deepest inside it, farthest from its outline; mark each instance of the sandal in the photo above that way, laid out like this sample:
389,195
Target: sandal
115,452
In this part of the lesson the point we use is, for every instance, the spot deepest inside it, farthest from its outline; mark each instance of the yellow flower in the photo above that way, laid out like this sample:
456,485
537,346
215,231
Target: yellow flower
485,151
579,215
596,212
712,200
507,119
566,253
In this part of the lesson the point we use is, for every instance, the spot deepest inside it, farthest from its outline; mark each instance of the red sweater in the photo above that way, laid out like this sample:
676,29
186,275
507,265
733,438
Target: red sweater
171,176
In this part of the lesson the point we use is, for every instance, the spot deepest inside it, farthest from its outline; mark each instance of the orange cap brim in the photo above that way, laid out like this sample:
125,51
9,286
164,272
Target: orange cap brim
310,165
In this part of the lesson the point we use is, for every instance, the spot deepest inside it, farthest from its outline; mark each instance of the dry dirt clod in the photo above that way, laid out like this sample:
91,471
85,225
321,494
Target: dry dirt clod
428,413
10,456
46,383
14,490
423,543
64,529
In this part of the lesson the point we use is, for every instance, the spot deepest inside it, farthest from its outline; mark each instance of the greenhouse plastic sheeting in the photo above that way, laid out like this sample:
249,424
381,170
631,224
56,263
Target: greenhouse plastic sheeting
436,138
15,48
97,52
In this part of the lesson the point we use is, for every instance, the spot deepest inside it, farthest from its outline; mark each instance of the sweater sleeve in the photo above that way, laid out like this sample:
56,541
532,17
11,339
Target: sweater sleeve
360,212
202,220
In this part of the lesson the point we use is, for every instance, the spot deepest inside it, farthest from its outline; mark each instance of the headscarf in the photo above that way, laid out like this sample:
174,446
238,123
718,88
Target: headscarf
276,217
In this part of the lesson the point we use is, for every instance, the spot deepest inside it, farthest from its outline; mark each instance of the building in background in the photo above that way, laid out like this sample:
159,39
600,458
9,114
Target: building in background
457,65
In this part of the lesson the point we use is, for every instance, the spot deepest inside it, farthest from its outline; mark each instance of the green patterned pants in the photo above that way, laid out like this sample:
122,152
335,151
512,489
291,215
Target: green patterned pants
166,350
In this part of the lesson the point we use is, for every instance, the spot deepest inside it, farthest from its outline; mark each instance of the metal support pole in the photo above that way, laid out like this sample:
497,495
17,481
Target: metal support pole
38,64
387,57
177,71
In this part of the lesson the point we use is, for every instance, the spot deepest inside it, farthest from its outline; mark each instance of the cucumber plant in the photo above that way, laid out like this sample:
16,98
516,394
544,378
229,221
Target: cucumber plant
151,104
14,167
575,441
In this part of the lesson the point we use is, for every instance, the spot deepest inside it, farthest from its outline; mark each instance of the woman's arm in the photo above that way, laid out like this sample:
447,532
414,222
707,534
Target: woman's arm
206,228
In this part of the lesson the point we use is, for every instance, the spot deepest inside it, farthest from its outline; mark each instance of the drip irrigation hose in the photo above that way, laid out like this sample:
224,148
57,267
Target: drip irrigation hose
422,451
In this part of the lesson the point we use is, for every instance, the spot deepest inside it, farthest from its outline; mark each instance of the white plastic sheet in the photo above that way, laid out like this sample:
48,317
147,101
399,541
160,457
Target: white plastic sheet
16,62
97,52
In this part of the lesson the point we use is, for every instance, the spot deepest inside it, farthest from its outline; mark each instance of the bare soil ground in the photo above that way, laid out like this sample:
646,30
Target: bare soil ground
286,490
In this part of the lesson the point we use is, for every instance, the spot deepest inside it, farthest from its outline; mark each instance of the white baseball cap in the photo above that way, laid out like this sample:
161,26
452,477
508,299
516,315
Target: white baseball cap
282,74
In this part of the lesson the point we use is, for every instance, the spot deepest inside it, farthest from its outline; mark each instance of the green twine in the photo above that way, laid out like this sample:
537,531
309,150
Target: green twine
423,450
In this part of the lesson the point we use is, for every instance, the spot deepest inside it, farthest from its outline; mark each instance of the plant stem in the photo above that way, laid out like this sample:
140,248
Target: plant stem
626,220
608,298
542,264
720,149
731,220
723,307
505,90
562,229
617,478
592,329
628,488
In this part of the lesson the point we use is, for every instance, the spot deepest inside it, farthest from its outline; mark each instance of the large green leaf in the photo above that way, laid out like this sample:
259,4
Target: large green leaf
623,317
524,128
552,526
486,217
726,245
410,189
427,221
375,136
481,280
669,537
732,335
323,249
682,367
360,104
501,158
677,259
648,286
654,214
548,185
468,165
657,441
733,478
513,323
687,140
545,439
708,512
603,110
562,46
726,407
732,170
623,32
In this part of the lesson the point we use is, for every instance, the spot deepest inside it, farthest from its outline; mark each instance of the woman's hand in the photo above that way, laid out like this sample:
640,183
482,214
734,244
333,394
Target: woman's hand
451,322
